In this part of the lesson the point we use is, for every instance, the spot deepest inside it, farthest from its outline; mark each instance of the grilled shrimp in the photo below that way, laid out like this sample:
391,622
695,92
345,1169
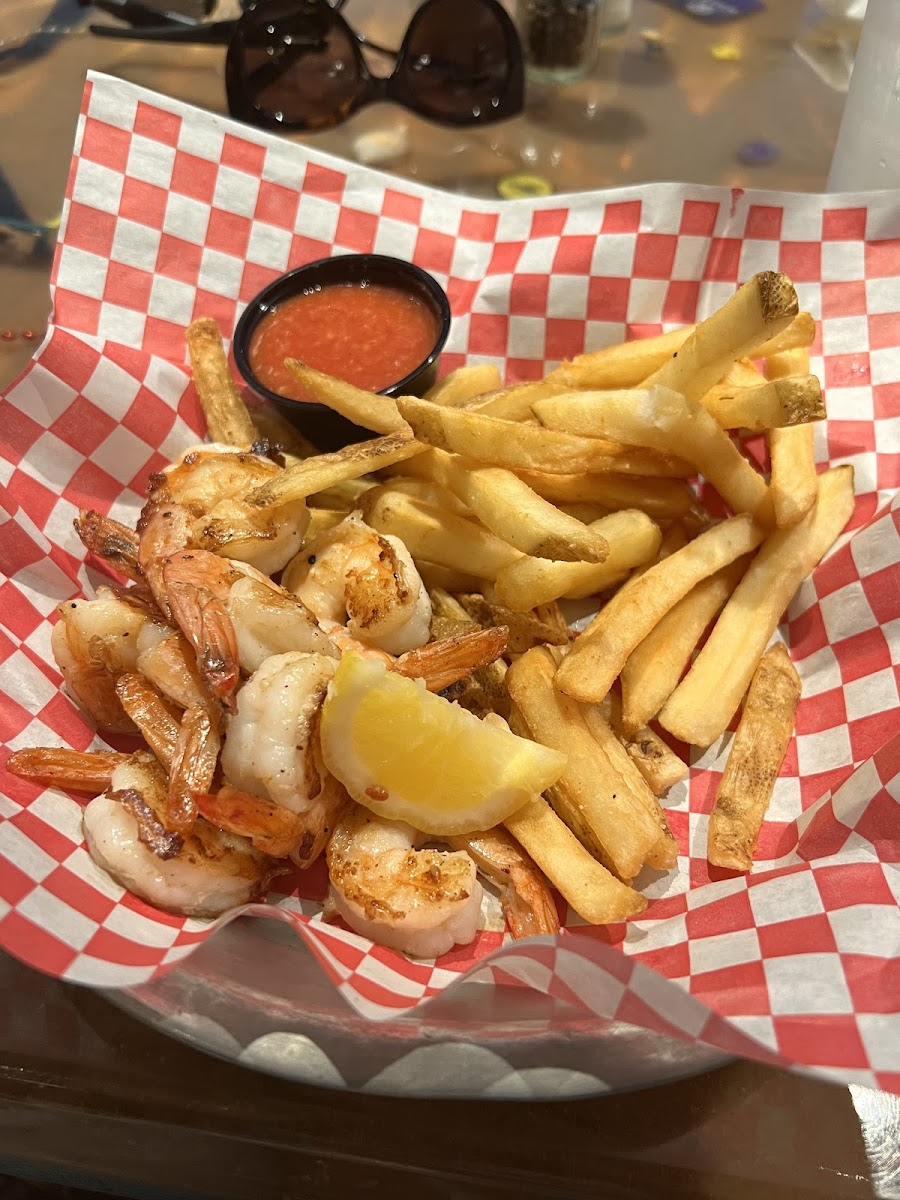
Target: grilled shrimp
420,902
352,575
200,874
166,659
94,642
525,895
199,502
235,620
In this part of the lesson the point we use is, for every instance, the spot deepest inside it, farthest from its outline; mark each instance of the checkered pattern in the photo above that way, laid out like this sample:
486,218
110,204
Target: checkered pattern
171,213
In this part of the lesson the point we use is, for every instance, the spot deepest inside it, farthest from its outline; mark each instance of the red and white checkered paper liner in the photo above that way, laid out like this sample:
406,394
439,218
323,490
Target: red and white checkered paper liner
171,213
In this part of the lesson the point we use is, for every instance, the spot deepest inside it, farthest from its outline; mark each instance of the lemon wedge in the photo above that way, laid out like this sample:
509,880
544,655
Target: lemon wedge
411,756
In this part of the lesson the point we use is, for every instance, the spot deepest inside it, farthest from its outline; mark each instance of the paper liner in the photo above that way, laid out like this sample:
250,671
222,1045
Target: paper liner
172,213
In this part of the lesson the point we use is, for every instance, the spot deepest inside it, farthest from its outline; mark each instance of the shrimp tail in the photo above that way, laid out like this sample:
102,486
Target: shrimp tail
196,584
525,895
193,766
271,828
88,771
444,662
112,541
154,717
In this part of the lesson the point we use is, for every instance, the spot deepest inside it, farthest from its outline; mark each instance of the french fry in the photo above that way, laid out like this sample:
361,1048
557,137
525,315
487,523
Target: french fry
657,762
323,519
324,471
778,404
762,308
658,418
588,795
595,894
664,854
630,363
343,495
514,403
427,490
653,669
755,758
367,409
501,443
464,384
594,661
227,419
794,482
699,709
525,629
527,582
439,536
661,499
272,425
508,507
437,575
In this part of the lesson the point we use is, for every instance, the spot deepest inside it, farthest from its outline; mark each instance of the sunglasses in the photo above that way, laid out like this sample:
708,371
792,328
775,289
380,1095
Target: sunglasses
298,64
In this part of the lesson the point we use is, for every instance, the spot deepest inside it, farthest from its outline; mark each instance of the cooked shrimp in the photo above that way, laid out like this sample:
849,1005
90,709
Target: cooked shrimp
273,828
94,642
234,620
110,540
154,717
271,744
525,895
353,575
199,874
71,769
420,902
194,762
166,659
210,483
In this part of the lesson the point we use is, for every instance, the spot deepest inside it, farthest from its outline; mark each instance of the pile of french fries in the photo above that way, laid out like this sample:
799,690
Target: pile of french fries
514,499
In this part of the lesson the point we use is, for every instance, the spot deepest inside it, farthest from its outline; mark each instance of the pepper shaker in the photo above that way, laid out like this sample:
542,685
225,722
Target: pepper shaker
559,38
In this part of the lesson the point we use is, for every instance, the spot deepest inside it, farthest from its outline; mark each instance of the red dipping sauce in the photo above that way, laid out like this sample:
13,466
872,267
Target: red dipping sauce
367,334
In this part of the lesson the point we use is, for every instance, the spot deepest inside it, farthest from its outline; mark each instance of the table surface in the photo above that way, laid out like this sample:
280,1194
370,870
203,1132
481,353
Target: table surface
89,1095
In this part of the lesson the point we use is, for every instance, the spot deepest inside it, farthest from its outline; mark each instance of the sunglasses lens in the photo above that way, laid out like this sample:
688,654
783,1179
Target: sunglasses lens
292,63
461,62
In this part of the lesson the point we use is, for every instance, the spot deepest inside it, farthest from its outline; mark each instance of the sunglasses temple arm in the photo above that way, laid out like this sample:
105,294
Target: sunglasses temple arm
216,33
140,15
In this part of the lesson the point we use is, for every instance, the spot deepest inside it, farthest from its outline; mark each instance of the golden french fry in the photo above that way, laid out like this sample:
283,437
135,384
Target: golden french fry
657,762
595,894
495,442
699,709
323,519
597,657
509,508
227,419
437,575
514,403
659,498
794,482
464,384
658,418
427,490
438,536
654,667
525,629
280,432
527,582
630,363
588,795
754,760
664,854
778,404
324,471
763,307
343,495
368,409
